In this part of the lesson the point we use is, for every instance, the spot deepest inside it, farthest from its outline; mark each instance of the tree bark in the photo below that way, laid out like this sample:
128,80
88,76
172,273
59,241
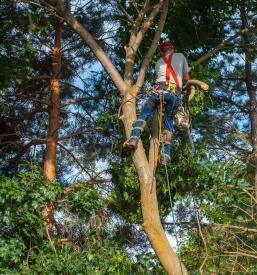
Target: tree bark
149,203
153,141
251,94
253,115
49,170
99,53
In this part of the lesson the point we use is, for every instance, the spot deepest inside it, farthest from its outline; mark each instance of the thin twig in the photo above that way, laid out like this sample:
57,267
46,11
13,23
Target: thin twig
125,12
241,254
249,194
75,159
204,242
77,100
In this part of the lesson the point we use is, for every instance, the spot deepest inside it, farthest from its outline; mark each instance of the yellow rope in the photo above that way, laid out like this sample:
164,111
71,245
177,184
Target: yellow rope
160,131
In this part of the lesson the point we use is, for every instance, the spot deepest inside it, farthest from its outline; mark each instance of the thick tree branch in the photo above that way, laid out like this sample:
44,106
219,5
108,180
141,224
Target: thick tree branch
147,24
223,45
152,49
136,38
97,50
197,83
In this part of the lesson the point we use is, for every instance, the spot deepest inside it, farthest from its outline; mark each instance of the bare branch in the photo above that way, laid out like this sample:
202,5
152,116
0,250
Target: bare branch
249,194
77,100
197,83
36,77
204,242
136,38
71,188
91,42
73,86
238,253
135,6
223,45
146,25
75,159
26,147
80,132
26,97
228,226
125,12
45,6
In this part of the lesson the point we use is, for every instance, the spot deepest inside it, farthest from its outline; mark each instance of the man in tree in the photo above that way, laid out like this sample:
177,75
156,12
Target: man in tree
172,72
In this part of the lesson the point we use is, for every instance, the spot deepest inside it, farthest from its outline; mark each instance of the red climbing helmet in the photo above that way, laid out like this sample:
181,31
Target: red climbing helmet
166,45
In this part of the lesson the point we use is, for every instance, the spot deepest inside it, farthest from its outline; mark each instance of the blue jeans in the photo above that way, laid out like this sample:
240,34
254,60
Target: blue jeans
171,102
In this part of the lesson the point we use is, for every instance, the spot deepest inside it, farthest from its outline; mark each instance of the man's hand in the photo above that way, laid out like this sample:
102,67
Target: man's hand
185,78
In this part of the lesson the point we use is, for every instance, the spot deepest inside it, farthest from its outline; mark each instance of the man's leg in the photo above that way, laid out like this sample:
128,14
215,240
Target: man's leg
167,139
139,124
171,103
167,135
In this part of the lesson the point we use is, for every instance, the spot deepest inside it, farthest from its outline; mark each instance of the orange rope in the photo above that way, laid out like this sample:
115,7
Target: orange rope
160,131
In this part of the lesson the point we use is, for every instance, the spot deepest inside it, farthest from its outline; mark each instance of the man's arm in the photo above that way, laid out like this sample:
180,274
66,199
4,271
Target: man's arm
185,78
185,71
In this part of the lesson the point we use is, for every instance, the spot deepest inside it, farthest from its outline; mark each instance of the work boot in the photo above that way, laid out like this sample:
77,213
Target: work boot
164,159
131,144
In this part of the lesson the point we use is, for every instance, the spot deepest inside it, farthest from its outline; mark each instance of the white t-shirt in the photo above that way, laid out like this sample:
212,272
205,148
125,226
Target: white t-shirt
179,64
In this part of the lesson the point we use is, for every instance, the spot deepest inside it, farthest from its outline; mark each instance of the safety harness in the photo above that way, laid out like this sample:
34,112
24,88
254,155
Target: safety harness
181,116
170,71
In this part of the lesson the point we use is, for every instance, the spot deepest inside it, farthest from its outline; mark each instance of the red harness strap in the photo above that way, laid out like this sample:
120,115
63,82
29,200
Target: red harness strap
170,71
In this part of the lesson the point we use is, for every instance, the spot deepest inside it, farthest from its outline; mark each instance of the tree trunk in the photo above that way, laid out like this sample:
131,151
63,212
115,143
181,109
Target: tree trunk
153,142
252,95
253,115
54,117
149,203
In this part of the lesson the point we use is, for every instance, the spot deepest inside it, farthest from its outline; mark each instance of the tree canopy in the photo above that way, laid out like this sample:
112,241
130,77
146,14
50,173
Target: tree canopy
72,79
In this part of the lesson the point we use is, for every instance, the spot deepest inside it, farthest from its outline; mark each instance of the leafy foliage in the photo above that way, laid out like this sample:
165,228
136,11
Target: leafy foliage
84,201
25,249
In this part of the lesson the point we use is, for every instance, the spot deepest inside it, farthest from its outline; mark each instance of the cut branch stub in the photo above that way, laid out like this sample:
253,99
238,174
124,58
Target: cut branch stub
190,88
197,83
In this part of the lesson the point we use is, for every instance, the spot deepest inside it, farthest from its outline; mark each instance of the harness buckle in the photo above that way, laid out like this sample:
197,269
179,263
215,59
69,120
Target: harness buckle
171,87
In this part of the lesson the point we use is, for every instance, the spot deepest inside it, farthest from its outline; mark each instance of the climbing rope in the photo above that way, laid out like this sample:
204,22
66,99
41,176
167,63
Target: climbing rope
171,206
160,140
160,130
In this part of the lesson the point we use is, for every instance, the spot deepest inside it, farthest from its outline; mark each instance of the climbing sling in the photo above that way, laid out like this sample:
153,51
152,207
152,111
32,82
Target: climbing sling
170,71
